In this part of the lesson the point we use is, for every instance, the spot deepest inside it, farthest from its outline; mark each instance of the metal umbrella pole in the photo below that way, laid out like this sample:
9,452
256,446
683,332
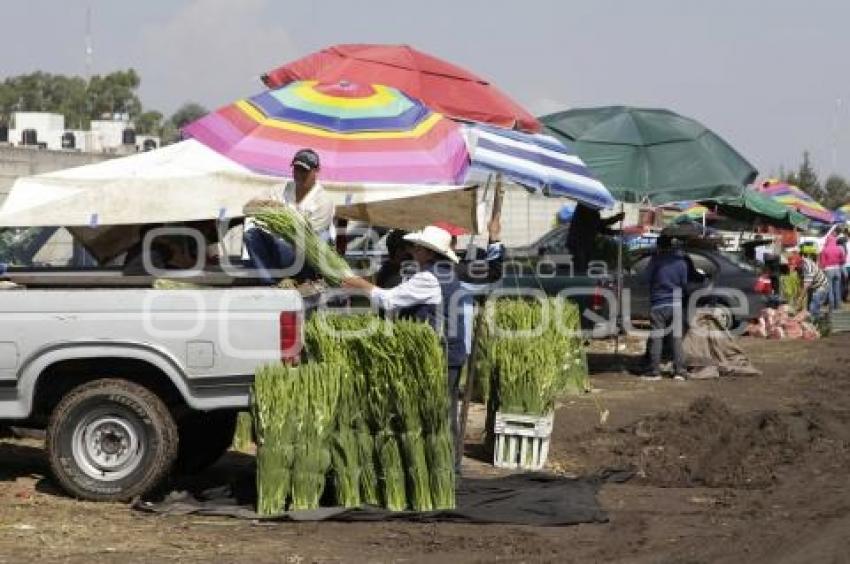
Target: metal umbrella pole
619,316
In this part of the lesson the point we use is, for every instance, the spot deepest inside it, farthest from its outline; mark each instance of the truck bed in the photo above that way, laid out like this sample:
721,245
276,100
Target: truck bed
208,342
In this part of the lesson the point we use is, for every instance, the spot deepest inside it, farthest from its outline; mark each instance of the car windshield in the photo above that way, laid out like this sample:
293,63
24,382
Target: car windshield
738,260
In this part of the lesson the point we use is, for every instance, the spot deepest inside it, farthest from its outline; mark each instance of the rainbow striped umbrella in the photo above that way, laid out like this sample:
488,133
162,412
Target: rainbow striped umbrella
794,198
362,133
689,210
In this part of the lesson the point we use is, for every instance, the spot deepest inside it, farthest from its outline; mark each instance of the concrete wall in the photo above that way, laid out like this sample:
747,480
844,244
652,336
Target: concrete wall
20,161
526,217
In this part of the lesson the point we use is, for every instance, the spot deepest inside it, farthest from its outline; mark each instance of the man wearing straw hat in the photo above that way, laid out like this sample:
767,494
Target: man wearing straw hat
433,295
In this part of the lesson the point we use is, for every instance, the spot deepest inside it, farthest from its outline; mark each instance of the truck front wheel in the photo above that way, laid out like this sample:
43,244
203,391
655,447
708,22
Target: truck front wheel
111,440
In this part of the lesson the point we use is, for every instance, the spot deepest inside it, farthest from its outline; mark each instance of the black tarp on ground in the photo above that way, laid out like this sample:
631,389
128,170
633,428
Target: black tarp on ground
522,499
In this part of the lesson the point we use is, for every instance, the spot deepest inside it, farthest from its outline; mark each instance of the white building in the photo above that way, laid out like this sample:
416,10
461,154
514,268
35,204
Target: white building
147,142
108,136
113,136
47,128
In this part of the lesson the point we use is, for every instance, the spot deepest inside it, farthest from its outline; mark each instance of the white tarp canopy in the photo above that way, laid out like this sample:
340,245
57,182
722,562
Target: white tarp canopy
187,181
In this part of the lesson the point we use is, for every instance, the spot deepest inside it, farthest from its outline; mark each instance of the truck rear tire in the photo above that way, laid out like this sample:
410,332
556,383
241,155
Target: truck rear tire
111,440
204,438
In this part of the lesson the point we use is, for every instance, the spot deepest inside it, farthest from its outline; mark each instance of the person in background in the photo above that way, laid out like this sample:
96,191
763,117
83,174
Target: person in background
432,295
164,252
843,243
831,261
815,282
398,251
585,225
478,271
668,282
268,253
761,251
211,232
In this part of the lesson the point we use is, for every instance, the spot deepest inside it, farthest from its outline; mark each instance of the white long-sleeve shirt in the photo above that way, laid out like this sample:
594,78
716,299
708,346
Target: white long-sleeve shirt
421,288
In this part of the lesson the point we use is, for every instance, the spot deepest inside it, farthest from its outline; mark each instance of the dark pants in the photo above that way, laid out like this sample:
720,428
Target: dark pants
454,404
274,258
846,292
661,320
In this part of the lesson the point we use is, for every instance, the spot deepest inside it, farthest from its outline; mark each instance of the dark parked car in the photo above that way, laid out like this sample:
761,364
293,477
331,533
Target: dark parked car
718,279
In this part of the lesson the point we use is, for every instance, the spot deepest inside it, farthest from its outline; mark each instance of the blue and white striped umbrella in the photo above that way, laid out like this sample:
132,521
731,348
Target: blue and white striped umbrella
538,162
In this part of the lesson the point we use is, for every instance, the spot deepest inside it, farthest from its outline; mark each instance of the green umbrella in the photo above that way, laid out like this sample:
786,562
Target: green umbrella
751,205
656,156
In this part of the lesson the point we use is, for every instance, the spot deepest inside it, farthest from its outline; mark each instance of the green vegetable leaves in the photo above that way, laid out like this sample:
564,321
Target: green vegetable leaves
290,225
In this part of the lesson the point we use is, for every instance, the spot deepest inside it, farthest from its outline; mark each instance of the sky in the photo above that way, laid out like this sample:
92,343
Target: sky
771,77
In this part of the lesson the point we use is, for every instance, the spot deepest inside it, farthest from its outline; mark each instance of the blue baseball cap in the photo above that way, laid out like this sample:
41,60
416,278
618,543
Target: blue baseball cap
307,159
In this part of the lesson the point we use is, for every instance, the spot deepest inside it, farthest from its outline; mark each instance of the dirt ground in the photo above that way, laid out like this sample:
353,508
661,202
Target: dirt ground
730,470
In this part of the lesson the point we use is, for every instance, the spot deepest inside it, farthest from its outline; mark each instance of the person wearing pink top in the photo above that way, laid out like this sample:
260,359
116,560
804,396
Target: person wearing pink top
842,242
831,261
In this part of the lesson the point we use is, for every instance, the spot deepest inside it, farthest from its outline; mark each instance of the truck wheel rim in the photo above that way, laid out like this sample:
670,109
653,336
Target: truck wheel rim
107,446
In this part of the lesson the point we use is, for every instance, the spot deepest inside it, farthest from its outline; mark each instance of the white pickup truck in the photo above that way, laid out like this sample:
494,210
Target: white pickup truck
133,383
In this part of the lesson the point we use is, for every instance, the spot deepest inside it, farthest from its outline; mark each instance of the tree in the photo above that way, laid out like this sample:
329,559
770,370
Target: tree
805,178
186,114
836,192
149,123
44,92
79,101
114,93
168,133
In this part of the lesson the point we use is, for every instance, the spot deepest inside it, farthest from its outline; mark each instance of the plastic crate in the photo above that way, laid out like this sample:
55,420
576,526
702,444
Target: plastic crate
840,322
521,441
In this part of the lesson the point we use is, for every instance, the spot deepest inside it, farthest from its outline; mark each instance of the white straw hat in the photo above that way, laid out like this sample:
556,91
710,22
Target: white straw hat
436,239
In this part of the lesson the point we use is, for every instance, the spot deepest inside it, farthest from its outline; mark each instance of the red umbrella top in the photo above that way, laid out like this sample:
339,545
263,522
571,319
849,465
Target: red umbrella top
441,85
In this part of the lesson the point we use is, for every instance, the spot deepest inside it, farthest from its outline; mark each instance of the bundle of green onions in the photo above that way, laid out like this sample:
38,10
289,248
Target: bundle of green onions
397,408
375,353
243,437
287,223
528,352
326,339
294,413
564,335
272,401
425,390
319,386
322,345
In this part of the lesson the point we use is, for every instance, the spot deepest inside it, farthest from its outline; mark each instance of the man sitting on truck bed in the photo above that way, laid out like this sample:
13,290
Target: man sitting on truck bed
270,255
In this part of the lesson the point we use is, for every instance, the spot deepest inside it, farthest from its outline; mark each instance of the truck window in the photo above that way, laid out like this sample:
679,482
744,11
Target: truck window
37,246
556,244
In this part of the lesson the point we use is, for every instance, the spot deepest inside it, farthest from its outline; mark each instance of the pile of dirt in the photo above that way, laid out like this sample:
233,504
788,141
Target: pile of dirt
708,445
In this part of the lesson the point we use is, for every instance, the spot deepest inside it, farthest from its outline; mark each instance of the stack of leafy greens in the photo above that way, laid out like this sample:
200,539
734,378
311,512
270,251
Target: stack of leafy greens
287,223
527,353
391,433
294,413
